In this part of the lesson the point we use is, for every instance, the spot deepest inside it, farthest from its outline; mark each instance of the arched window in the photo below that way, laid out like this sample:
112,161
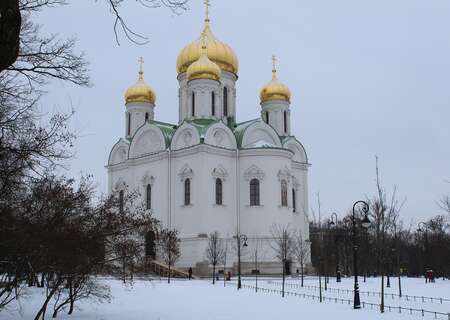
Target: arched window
150,245
187,192
285,121
254,192
267,117
294,205
121,200
225,101
213,103
148,199
218,191
193,104
284,202
129,123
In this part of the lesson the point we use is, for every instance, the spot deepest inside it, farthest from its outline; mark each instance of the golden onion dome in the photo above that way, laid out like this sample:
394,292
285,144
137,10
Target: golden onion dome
203,68
140,91
218,52
275,90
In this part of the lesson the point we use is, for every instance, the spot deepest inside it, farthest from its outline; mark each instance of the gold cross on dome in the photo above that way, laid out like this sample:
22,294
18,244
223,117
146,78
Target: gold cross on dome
207,4
141,64
274,66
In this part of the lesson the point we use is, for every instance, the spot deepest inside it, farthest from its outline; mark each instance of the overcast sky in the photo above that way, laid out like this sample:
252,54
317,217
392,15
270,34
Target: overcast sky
367,78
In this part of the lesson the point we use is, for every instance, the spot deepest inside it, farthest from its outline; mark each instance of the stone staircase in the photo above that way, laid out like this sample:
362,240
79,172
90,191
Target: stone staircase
161,269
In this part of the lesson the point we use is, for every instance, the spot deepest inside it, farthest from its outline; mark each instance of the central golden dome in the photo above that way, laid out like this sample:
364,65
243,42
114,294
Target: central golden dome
218,52
203,68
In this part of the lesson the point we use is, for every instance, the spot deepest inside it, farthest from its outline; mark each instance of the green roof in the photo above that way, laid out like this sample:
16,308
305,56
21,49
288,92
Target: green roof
202,125
167,129
240,129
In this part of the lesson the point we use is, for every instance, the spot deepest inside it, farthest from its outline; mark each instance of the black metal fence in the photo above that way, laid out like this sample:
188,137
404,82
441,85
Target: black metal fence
364,305
369,293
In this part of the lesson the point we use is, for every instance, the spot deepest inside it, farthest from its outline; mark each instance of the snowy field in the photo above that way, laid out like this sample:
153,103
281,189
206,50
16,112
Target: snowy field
200,300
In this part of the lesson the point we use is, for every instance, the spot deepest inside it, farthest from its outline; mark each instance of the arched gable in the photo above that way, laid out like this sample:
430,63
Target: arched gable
220,135
147,139
185,136
297,148
260,134
119,152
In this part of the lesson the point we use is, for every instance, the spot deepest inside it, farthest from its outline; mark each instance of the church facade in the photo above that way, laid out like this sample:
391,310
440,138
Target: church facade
209,172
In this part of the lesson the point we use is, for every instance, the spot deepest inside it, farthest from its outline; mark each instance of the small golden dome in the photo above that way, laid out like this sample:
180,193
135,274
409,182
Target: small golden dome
218,52
275,90
203,68
140,91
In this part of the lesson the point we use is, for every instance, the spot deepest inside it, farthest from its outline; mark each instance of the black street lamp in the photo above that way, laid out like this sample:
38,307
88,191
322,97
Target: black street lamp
365,223
243,238
333,223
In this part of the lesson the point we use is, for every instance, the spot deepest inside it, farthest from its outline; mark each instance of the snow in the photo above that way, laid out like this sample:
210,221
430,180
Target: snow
200,300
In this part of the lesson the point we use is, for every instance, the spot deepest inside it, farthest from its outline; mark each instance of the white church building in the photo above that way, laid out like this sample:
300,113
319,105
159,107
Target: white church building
210,172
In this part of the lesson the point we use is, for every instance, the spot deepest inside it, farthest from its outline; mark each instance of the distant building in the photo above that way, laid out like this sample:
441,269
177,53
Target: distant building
209,172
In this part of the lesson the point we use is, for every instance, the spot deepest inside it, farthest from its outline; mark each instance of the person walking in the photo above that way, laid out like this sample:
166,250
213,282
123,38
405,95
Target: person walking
190,273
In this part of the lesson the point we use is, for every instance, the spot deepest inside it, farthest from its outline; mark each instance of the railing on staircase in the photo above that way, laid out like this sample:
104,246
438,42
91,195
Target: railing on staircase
162,270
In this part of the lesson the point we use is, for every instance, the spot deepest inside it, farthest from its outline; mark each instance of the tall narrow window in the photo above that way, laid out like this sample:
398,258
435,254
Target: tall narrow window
150,245
218,191
129,123
146,116
121,200
254,192
294,205
284,202
187,192
213,104
225,101
148,199
267,117
285,121
193,104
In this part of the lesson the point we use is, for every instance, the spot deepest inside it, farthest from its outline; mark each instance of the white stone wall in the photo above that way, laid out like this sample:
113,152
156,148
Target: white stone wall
203,216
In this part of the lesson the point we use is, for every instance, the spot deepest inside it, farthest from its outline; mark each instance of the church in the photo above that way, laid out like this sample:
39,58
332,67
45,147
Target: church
210,172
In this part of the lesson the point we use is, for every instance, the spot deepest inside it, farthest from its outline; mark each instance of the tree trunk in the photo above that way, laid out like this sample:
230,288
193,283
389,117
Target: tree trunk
214,274
301,267
168,276
42,310
10,22
284,278
42,280
71,297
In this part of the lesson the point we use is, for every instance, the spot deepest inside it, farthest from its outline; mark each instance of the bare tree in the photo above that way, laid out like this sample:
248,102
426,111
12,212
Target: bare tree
301,251
282,245
258,253
168,245
215,252
13,13
384,213
225,262
444,203
80,288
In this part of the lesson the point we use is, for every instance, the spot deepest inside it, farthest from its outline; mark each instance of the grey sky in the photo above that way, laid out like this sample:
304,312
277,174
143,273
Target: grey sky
367,78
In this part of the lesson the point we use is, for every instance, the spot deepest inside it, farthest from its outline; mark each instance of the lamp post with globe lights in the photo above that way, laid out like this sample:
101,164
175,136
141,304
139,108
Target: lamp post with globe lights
240,238
333,223
365,223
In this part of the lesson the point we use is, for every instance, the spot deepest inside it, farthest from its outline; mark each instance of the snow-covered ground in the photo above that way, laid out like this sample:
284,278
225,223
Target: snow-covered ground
200,300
